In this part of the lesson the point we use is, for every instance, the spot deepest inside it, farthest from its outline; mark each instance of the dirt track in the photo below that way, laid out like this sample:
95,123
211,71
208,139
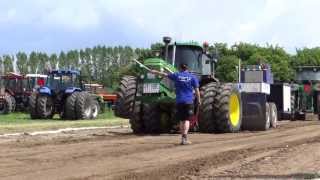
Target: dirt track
292,150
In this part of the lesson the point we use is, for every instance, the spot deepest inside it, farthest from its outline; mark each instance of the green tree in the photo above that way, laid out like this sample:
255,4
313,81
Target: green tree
226,70
33,63
8,63
22,62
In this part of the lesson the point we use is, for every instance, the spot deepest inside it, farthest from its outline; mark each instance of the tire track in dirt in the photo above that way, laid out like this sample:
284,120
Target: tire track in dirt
138,156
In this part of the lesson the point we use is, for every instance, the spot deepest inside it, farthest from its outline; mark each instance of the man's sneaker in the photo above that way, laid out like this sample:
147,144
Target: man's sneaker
184,141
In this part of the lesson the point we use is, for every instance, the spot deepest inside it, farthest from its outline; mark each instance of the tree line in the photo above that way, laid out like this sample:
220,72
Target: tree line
99,64
105,65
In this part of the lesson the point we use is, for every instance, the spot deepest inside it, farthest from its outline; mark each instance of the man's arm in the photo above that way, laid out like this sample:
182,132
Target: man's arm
198,95
163,74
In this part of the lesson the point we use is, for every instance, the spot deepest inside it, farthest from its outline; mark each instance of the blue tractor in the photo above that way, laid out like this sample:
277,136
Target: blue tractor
63,94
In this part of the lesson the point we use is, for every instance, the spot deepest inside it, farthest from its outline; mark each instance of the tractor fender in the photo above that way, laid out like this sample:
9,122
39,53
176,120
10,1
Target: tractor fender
44,90
71,90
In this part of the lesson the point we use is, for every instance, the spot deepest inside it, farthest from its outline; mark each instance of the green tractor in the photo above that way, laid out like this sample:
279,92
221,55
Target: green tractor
149,100
306,93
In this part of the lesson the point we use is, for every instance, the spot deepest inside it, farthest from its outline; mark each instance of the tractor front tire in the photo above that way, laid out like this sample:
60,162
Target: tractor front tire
45,106
84,106
33,106
125,97
228,109
206,115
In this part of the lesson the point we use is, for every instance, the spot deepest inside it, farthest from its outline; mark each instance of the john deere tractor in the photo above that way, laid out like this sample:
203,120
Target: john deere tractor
63,94
306,93
149,100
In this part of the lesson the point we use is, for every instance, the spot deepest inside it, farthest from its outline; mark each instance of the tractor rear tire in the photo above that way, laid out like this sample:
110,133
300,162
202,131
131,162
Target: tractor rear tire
45,107
125,97
84,105
70,107
7,106
273,115
136,121
227,107
33,106
206,114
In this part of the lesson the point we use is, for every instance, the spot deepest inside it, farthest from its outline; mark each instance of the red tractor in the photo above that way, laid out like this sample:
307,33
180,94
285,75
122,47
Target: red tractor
16,89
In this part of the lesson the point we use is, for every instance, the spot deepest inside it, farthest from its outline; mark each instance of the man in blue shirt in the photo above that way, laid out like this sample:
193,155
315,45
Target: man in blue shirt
185,83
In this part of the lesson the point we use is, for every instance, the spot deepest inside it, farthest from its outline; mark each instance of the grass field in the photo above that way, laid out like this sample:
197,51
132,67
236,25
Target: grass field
21,122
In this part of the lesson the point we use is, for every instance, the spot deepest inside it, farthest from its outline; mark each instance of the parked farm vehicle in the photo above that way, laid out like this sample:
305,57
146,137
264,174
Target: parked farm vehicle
306,93
15,91
63,94
149,101
263,101
105,97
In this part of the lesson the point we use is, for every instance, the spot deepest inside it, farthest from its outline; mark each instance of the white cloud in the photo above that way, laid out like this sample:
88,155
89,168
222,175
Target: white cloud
289,23
76,15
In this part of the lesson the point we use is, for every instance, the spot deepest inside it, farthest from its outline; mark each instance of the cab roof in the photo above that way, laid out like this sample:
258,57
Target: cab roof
64,72
188,43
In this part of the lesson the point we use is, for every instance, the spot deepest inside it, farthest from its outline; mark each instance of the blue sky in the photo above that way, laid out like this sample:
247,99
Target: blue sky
54,25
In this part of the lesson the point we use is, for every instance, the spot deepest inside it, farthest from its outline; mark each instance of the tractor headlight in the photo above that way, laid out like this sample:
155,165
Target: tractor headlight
161,69
142,76
151,76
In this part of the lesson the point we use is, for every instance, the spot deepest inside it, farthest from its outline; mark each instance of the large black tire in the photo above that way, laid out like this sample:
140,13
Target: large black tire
228,109
264,124
151,118
84,106
7,106
206,114
136,121
33,106
125,97
155,119
45,107
273,115
70,107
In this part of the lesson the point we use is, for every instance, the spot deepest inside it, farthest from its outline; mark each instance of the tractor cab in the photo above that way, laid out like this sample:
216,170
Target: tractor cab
190,53
14,92
63,80
35,81
14,83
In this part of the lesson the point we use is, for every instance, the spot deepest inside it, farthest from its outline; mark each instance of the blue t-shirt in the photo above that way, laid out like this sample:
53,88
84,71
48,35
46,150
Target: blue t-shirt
184,82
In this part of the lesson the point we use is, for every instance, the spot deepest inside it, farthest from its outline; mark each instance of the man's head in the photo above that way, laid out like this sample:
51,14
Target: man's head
183,67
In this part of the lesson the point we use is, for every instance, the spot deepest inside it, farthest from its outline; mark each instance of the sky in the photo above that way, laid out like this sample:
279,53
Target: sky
54,25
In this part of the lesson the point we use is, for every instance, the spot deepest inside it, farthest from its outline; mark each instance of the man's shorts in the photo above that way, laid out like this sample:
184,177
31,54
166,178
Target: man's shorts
184,111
